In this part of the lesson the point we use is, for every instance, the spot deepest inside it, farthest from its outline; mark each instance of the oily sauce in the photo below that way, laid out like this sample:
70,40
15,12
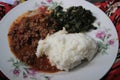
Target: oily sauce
23,37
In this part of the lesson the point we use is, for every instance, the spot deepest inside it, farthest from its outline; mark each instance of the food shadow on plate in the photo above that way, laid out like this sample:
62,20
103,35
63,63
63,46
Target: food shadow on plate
83,63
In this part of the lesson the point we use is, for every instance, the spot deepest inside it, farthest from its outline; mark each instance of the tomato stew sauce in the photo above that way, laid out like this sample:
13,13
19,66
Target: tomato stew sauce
23,37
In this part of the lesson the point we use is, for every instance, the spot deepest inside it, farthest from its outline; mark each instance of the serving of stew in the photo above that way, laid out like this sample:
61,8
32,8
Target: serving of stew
23,37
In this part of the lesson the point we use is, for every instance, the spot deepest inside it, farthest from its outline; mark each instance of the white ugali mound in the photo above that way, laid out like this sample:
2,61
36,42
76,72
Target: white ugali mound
66,51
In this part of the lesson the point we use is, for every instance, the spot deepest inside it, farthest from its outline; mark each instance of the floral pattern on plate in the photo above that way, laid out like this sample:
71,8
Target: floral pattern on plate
20,69
50,4
104,41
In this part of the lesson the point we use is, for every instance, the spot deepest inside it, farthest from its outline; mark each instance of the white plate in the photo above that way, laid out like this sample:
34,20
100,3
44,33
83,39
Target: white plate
105,35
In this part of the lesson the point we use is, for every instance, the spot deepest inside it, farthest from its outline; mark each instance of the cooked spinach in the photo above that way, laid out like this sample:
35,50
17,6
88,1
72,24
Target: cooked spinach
74,19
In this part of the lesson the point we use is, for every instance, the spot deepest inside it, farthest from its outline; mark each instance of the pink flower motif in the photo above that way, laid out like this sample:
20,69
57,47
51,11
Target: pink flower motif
43,3
101,35
31,72
42,9
16,3
111,42
49,1
25,76
109,35
16,72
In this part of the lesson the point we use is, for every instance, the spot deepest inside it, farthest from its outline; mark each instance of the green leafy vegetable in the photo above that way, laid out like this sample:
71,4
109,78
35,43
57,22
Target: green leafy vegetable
74,19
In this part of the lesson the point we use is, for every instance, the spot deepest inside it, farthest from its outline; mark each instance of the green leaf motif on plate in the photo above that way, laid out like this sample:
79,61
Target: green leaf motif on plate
19,69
